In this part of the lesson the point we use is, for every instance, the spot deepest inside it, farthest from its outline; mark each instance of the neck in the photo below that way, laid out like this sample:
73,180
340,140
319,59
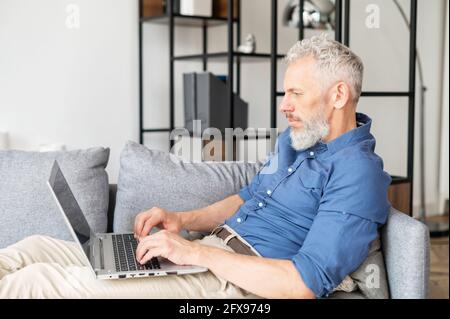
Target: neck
341,121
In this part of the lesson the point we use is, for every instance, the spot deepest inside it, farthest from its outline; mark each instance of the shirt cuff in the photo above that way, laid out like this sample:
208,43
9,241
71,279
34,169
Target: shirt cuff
310,275
244,193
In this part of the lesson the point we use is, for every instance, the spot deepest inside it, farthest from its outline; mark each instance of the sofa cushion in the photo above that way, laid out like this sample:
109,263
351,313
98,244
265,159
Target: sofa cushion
26,203
149,178
370,277
346,295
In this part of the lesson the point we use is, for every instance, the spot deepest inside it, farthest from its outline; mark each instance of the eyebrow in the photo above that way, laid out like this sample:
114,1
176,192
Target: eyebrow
294,89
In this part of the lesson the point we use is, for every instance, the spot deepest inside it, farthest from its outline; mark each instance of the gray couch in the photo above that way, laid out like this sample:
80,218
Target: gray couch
28,208
405,245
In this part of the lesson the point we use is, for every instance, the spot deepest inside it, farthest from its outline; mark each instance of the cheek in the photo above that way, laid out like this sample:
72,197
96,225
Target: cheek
312,106
306,106
303,109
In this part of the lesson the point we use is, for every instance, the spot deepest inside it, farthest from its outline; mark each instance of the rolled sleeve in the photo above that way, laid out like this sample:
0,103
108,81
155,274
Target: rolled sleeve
245,194
336,245
269,166
249,190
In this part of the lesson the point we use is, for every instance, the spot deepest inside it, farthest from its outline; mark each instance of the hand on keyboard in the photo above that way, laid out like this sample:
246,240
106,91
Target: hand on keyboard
156,217
168,245
125,254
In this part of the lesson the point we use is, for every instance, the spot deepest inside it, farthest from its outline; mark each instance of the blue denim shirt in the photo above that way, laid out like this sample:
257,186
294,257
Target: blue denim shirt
320,207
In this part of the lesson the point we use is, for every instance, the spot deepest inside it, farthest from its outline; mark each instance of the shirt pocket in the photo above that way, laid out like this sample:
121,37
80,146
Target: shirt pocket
300,193
310,179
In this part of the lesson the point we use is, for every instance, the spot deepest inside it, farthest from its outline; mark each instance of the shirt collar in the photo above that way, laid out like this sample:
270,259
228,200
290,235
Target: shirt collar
353,136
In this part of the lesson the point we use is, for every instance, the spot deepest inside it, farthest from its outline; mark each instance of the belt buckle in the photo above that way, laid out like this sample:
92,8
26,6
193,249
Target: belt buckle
217,230
227,239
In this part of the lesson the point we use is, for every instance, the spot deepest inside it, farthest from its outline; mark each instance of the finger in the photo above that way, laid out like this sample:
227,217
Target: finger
153,252
151,222
140,221
144,245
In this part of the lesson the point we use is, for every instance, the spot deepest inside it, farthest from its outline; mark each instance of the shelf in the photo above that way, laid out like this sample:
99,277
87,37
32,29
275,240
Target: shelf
156,130
386,94
245,137
399,180
395,179
373,94
184,20
224,55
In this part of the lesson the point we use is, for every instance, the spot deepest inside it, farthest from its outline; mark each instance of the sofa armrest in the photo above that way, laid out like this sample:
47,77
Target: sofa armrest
406,246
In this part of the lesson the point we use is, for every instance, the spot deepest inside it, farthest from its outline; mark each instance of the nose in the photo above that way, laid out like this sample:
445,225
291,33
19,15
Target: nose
286,106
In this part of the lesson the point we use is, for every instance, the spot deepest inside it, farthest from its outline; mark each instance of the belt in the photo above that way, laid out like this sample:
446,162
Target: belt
234,243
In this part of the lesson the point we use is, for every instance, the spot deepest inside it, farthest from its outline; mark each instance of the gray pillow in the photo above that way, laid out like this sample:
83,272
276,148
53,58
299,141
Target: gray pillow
370,278
26,204
149,178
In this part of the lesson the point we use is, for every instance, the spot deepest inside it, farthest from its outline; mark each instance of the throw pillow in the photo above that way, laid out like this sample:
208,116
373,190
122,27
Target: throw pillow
149,178
27,206
370,277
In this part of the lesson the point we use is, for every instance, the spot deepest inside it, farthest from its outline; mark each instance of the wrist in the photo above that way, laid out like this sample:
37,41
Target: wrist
182,219
198,254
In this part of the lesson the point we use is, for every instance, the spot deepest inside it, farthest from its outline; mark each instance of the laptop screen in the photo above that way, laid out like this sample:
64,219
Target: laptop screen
69,204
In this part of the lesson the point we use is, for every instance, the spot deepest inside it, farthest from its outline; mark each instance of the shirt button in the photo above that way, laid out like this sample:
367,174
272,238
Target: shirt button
311,153
290,169
260,204
269,192
239,220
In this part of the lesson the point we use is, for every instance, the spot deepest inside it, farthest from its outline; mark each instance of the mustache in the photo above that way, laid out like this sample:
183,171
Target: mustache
290,116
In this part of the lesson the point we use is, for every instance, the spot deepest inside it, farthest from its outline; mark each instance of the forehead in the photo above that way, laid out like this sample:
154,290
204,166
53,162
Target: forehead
300,72
301,67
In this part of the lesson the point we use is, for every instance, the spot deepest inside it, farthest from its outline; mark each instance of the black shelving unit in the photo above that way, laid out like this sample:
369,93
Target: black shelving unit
231,56
171,19
342,34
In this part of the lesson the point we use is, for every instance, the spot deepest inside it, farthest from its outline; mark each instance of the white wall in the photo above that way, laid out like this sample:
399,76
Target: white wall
73,86
430,44
444,161
80,87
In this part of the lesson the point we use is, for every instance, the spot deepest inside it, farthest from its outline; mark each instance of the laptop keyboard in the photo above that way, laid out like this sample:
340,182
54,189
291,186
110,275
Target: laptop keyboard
125,254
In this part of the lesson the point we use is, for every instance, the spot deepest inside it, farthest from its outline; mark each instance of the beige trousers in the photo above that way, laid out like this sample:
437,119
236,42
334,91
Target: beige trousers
43,267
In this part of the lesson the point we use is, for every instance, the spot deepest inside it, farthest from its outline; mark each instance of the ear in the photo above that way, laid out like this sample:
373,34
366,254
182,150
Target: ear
340,95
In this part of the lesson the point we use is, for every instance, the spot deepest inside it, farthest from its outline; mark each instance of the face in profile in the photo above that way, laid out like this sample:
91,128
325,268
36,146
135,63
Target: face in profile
304,104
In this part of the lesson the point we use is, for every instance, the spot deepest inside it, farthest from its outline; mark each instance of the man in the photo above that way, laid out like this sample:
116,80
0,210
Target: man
303,224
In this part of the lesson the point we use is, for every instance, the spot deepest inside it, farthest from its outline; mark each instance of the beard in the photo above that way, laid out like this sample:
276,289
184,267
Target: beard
312,131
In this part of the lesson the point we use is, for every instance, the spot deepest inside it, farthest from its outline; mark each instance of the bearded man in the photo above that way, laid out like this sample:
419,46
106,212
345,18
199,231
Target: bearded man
297,230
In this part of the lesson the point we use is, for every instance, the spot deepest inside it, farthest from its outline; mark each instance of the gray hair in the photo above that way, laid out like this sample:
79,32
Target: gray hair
334,61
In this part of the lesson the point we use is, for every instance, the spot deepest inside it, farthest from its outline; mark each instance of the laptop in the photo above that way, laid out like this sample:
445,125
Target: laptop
110,256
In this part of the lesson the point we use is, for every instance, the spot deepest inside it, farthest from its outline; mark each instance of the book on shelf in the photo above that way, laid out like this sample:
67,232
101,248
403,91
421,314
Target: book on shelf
206,98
